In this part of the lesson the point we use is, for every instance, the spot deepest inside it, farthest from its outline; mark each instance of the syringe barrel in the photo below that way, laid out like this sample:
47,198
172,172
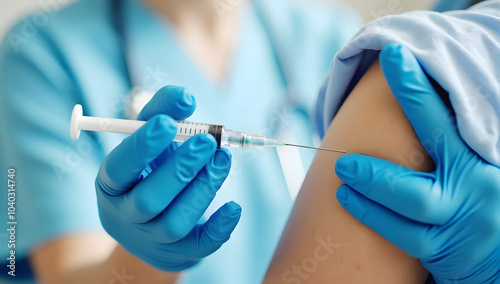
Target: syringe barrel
186,130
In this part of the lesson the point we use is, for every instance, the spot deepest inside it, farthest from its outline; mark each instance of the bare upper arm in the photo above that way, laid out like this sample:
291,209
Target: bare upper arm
322,242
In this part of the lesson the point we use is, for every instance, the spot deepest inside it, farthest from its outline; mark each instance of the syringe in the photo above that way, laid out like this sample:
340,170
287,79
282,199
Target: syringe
185,130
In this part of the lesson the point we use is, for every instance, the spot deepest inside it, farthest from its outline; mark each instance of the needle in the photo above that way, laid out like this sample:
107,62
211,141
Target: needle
321,149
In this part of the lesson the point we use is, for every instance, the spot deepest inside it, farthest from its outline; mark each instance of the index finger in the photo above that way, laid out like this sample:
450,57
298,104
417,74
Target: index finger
170,100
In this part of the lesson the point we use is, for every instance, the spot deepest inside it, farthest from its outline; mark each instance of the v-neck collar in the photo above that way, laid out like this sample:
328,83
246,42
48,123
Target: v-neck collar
155,53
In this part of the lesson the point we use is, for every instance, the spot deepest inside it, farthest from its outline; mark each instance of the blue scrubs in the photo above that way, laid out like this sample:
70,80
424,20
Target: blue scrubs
76,57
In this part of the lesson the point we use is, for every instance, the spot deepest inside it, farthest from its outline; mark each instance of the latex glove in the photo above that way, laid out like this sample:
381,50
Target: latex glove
155,218
450,218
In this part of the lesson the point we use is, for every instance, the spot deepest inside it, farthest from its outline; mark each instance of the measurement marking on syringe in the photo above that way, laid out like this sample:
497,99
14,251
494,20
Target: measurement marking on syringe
224,137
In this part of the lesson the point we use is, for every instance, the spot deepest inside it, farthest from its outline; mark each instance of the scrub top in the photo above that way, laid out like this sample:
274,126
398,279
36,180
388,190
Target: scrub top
76,57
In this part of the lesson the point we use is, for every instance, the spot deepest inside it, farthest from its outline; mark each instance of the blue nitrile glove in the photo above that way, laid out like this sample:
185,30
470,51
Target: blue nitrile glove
449,218
156,217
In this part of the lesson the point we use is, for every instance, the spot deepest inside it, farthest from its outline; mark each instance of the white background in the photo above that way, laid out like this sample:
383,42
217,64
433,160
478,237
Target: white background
12,10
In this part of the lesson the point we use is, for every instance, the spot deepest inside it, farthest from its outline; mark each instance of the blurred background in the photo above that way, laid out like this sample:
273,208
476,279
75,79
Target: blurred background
12,10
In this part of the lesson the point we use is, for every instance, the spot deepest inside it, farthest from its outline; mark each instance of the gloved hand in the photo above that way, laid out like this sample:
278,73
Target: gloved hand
450,218
151,194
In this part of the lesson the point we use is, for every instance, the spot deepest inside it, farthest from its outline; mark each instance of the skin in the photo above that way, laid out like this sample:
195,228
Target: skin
370,122
201,24
97,258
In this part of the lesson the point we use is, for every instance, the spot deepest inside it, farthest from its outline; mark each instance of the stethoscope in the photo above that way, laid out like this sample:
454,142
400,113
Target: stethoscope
290,159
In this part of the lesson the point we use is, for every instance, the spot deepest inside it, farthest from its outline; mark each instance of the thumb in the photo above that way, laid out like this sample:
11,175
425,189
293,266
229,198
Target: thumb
410,193
122,168
407,234
422,105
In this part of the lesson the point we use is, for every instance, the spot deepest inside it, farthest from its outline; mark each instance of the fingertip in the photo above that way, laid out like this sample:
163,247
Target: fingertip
391,49
394,51
231,210
222,223
228,224
345,159
345,166
157,130
172,100
161,129
200,148
226,152
166,122
205,138
187,100
342,194
395,60
229,217
354,202
221,159
388,57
